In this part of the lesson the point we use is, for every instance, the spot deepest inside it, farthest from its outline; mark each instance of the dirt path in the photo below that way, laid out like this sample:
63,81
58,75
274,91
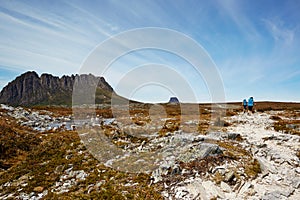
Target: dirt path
276,152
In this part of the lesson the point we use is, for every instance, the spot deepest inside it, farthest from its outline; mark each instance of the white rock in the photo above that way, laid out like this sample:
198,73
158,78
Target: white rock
225,187
195,188
212,190
245,187
265,166
6,107
296,183
81,175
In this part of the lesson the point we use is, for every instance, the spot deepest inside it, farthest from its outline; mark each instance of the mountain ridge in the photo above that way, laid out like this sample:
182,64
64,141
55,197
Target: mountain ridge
29,89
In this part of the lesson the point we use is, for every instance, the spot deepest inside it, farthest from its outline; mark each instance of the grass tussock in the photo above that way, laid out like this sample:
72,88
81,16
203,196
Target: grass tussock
252,168
55,110
288,126
230,113
220,123
170,125
33,161
275,117
234,151
298,154
203,127
15,142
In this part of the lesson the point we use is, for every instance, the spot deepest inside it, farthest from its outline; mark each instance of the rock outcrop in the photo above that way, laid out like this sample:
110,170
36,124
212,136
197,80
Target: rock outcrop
30,89
174,100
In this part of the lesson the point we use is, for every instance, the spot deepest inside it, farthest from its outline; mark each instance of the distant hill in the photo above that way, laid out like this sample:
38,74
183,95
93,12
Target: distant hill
31,89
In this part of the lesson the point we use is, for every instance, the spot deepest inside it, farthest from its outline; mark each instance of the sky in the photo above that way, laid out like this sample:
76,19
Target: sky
254,44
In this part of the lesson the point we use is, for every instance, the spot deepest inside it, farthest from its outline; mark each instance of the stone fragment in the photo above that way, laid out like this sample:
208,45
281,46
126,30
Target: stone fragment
229,176
245,187
288,192
265,166
296,183
38,189
225,187
233,136
212,190
277,194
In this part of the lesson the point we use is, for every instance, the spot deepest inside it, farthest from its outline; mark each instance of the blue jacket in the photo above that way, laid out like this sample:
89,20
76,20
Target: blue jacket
244,102
250,102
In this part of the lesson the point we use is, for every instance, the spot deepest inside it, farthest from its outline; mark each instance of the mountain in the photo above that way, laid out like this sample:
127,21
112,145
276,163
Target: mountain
31,89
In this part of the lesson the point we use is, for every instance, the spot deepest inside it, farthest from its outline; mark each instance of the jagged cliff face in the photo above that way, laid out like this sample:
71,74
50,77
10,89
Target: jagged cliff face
30,89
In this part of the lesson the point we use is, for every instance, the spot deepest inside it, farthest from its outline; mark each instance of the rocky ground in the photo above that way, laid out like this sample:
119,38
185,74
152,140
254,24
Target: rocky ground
277,153
46,153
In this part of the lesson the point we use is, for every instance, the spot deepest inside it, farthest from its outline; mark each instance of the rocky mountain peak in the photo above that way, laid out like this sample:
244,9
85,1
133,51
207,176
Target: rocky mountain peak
32,89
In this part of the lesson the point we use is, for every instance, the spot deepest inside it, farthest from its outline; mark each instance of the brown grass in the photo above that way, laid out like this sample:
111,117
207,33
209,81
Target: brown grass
263,106
286,126
252,168
41,162
15,142
57,110
36,155
234,151
26,153
275,117
298,154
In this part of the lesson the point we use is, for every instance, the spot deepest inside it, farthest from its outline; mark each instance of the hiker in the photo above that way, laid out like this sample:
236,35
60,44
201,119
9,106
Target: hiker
251,104
245,105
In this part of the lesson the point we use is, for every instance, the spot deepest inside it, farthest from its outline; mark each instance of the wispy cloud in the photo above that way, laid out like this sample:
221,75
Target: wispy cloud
254,44
236,11
279,32
63,28
96,22
45,42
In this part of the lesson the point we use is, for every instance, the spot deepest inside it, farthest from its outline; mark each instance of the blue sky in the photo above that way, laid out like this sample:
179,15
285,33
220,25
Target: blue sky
254,44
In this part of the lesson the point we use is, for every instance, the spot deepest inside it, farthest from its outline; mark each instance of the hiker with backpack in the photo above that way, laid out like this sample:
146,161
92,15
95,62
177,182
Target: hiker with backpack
244,105
251,104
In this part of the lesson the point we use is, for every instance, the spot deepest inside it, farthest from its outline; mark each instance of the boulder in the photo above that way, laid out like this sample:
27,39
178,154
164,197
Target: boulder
234,136
200,151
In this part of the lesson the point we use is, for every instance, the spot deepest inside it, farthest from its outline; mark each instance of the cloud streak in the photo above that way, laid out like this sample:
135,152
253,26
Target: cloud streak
254,44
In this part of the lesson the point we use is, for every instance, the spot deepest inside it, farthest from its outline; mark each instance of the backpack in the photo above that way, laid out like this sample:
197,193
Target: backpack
250,101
